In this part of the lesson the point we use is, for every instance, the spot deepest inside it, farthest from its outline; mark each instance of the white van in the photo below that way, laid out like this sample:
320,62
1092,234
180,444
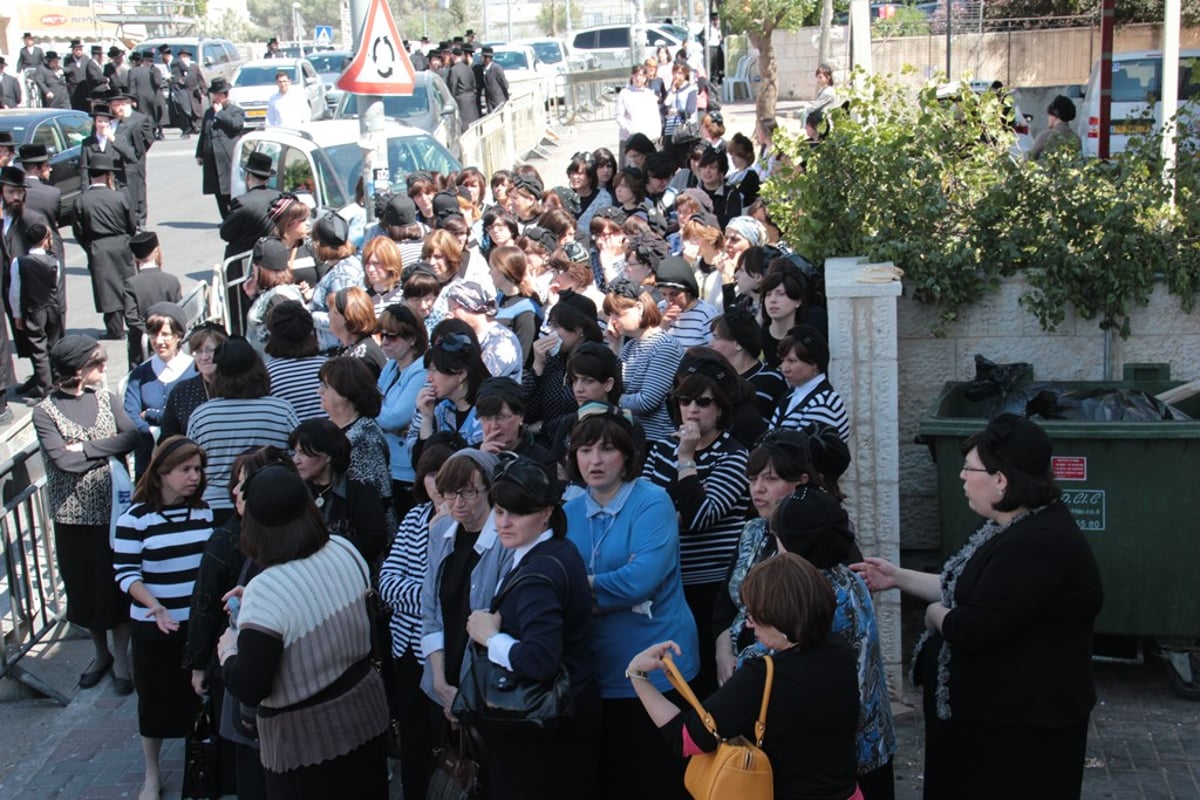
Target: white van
1136,82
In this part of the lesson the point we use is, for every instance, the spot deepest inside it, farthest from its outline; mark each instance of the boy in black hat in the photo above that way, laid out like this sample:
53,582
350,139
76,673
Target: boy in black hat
30,56
37,294
42,199
146,288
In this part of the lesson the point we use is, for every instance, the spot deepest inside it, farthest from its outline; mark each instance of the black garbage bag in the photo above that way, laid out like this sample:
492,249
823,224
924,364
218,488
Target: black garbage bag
1100,404
995,382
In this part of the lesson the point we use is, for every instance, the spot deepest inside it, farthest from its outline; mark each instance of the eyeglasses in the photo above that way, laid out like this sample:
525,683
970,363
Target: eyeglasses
391,336
968,468
500,418
470,494
699,402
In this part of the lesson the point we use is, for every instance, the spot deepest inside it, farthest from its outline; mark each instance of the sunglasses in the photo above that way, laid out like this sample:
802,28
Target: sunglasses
391,336
699,402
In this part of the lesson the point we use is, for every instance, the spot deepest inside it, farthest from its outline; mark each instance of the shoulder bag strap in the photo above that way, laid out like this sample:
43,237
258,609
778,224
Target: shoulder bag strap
760,726
527,576
681,685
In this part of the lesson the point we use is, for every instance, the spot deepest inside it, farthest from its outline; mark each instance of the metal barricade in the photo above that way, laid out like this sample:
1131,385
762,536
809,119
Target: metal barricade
589,93
32,595
228,303
501,139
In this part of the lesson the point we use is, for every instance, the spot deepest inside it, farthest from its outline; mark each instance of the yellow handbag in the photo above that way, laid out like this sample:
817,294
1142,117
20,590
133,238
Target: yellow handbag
737,769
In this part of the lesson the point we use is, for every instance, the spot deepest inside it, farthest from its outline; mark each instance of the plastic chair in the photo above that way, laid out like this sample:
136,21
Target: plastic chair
741,77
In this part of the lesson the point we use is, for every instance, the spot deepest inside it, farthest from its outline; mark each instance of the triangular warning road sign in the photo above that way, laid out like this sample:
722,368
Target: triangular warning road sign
381,65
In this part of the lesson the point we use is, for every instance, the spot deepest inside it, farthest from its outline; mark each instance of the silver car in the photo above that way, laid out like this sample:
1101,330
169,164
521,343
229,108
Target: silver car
329,65
430,107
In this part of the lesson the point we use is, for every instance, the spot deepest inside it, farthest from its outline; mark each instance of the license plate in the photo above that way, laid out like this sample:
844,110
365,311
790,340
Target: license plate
1130,128
256,113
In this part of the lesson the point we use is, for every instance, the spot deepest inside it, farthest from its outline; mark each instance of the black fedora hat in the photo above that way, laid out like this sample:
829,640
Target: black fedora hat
260,164
101,162
33,154
12,176
218,86
102,110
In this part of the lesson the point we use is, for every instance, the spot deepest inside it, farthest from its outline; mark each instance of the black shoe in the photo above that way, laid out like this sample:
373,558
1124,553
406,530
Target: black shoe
93,674
6,416
122,686
113,336
31,391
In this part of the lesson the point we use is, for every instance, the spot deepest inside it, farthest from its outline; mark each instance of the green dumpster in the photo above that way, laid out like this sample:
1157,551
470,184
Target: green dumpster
1134,488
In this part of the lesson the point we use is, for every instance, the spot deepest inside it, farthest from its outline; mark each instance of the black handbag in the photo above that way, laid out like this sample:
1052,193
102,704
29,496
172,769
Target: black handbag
499,699
456,767
200,758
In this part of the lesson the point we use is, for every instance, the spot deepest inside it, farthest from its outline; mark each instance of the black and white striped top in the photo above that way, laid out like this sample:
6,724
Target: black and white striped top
225,427
810,403
400,579
295,380
712,504
162,549
693,328
768,386
648,372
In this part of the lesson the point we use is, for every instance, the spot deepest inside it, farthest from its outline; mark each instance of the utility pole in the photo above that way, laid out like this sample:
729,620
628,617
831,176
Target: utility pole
369,120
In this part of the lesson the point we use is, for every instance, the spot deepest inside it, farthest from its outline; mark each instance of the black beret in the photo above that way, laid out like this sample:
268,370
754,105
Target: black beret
331,230
505,388
745,330
70,353
290,321
639,143
677,273
234,356
171,311
814,343
580,303
143,244
812,524
1019,443
1062,107
270,253
400,210
276,496
649,248
529,184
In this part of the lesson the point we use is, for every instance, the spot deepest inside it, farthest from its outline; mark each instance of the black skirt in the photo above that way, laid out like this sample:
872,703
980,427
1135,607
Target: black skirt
167,704
364,770
85,560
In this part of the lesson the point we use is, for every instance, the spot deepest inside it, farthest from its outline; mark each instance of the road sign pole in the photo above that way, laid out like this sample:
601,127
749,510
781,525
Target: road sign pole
358,21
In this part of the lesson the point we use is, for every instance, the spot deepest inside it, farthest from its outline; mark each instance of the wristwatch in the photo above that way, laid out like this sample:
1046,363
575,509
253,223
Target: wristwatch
685,463
635,673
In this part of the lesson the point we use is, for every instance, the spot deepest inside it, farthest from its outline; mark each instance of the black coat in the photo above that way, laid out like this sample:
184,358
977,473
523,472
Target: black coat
466,94
495,87
117,77
14,244
187,92
43,203
249,220
10,92
1020,633
219,133
143,290
103,224
145,85
83,77
30,59
52,82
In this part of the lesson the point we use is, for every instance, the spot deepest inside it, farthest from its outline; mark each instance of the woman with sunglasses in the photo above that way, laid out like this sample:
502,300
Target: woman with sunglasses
703,469
541,625
400,579
466,561
79,426
627,532
804,361
404,341
650,355
454,370
350,506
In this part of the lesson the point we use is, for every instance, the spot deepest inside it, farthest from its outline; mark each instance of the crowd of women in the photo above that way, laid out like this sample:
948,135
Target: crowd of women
557,434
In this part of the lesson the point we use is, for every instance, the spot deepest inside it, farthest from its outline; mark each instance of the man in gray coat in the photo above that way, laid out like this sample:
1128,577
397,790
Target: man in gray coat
51,84
223,123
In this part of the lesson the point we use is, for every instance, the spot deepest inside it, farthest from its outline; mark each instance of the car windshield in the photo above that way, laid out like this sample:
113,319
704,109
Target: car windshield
405,154
261,76
394,105
549,52
325,63
511,59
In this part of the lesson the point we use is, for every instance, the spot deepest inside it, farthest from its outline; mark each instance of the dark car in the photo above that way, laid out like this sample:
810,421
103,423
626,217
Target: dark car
62,131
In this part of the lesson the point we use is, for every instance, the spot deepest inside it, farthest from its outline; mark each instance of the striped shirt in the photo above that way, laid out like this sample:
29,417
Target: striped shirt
768,387
400,580
712,504
812,402
162,549
295,380
691,327
648,372
225,427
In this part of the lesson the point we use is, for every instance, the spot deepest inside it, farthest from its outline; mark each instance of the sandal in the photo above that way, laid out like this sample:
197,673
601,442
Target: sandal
93,674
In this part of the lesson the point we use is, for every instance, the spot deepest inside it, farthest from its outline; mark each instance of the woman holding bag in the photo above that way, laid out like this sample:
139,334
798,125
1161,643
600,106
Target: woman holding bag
541,625
812,713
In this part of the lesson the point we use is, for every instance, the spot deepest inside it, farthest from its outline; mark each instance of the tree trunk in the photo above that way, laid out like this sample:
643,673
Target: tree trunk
826,31
768,89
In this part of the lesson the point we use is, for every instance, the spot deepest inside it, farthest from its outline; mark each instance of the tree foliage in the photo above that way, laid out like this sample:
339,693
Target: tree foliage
760,19
552,17
931,186
1127,11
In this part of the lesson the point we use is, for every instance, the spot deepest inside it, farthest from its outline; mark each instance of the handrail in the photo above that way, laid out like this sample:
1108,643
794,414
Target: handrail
32,596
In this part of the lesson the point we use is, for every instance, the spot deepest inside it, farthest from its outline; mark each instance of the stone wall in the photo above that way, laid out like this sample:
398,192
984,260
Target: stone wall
1001,330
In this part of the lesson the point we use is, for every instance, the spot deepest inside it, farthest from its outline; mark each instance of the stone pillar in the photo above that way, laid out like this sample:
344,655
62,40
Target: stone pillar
864,368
